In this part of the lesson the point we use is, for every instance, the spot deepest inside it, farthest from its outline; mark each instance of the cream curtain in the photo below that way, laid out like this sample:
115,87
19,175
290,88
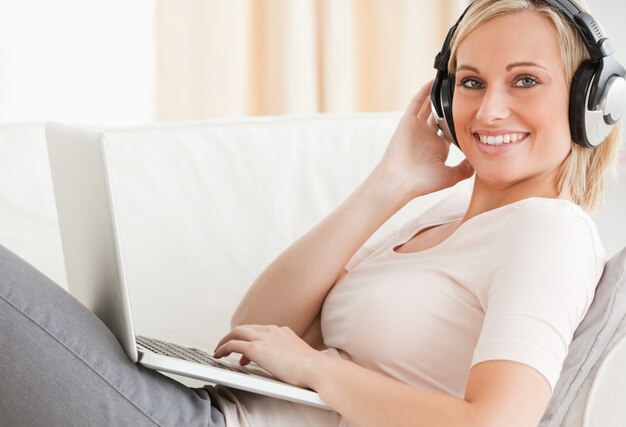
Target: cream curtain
270,57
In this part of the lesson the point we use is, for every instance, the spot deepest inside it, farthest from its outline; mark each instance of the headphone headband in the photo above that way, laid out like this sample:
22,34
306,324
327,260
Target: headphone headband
587,26
443,57
589,29
566,6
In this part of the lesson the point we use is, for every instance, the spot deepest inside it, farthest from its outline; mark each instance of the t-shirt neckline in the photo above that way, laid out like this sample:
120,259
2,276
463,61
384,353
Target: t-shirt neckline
423,223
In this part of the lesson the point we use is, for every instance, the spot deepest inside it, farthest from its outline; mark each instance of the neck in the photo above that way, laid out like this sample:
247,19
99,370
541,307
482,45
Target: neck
486,197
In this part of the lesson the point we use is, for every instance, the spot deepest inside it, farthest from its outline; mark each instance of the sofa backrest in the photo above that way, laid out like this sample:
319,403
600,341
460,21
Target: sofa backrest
202,207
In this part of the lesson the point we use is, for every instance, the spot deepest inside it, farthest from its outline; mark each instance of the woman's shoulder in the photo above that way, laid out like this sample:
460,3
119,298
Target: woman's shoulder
547,241
552,216
553,226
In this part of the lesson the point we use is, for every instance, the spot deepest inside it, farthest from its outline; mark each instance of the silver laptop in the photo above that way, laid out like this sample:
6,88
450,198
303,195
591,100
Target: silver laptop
95,267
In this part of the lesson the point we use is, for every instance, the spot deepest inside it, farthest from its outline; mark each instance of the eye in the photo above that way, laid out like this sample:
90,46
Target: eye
526,81
471,83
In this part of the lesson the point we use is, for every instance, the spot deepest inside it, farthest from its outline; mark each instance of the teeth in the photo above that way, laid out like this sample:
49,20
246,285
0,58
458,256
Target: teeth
501,139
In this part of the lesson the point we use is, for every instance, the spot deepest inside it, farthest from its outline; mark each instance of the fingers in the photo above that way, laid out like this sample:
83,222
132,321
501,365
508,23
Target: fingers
426,109
242,338
247,332
233,346
417,102
431,119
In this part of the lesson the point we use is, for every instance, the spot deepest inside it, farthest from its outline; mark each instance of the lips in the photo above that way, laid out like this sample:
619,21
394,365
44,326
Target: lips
501,137
494,142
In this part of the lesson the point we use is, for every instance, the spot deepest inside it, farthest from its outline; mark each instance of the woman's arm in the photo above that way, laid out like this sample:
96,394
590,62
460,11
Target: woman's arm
499,392
291,290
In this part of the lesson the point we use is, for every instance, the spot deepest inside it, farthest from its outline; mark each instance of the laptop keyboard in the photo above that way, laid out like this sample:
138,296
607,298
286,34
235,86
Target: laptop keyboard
180,352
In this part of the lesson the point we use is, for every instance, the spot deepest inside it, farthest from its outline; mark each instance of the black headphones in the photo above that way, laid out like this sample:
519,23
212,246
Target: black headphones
597,94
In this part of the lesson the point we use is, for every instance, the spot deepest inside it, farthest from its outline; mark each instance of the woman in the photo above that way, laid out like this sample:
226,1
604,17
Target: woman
464,316
460,318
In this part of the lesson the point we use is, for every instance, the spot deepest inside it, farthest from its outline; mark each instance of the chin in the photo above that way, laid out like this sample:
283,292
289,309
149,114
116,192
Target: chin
498,179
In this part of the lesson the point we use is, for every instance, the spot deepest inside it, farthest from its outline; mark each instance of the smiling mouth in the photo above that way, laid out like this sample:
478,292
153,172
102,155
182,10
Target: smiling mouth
502,139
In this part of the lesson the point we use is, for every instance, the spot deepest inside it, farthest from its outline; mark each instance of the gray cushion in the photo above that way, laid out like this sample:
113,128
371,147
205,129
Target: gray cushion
590,339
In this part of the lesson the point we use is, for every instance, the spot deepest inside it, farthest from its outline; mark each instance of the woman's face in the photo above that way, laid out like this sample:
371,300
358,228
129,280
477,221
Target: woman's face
510,103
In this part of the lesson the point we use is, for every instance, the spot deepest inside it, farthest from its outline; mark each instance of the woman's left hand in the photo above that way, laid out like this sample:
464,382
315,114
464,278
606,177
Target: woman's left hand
276,349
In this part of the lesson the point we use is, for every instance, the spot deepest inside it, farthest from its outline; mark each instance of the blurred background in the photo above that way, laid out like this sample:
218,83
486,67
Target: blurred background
120,62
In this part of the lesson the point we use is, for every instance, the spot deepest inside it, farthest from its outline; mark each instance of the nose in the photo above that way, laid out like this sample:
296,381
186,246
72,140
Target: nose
494,105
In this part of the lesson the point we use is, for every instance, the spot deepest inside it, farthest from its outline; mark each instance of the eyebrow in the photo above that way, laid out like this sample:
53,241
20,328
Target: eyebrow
468,67
508,67
524,64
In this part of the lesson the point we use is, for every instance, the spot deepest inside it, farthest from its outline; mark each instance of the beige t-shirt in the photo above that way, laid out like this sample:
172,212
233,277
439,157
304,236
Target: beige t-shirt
512,283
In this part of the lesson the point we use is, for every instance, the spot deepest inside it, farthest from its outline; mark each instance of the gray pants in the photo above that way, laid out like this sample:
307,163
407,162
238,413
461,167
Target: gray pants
60,366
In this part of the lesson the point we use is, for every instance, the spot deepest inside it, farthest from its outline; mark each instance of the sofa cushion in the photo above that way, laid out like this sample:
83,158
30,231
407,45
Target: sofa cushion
591,339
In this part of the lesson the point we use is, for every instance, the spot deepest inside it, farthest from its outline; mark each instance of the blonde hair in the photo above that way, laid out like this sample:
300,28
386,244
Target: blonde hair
584,171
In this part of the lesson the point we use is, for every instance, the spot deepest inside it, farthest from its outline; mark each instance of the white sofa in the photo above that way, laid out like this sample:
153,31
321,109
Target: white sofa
203,207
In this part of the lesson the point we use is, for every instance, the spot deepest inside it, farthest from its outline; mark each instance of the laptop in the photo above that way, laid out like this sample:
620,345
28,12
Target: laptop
95,268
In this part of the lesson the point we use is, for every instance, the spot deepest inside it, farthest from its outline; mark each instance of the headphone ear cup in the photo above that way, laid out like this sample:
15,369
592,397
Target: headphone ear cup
581,85
447,92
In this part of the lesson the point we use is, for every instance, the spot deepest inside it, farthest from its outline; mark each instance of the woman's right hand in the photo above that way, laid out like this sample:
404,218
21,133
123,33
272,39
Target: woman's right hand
416,154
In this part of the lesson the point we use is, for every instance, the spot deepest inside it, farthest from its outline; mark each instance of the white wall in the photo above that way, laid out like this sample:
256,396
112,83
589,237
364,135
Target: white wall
78,61
612,17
